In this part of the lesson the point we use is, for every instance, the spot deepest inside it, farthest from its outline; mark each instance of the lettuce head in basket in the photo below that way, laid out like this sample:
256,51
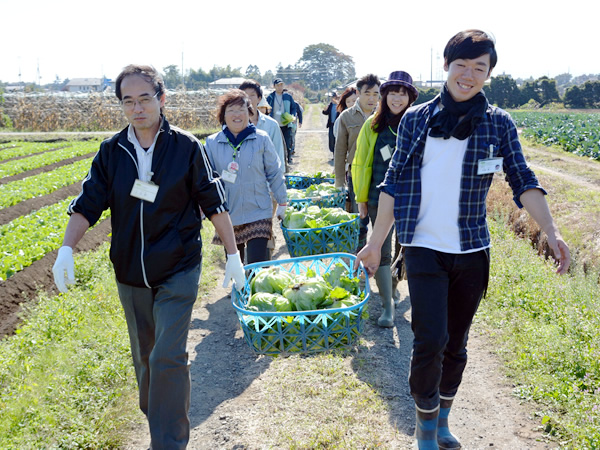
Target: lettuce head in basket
307,295
287,118
271,279
264,301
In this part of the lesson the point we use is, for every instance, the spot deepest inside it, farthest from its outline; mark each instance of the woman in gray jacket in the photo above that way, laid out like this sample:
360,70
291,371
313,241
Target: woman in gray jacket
250,169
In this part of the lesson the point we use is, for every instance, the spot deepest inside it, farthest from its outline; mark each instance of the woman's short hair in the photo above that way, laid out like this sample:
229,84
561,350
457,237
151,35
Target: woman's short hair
232,97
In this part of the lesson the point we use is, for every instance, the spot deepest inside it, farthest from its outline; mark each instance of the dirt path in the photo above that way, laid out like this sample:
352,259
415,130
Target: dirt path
580,171
229,382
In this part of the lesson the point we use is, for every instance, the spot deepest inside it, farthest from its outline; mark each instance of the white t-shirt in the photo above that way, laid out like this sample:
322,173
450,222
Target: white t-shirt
441,173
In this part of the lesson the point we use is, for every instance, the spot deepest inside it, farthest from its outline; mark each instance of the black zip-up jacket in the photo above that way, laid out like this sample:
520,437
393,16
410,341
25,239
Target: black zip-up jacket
152,241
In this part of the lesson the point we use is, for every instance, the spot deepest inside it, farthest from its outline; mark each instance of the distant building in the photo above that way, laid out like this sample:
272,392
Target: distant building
226,83
85,85
14,88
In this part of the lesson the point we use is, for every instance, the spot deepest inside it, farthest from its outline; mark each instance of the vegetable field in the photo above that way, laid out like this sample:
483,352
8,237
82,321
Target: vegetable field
37,181
576,133
66,379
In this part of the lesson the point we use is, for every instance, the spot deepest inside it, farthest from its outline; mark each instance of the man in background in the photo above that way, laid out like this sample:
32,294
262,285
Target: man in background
350,122
282,107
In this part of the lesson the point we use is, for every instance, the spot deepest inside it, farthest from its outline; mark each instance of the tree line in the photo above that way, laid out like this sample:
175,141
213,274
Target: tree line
504,91
321,67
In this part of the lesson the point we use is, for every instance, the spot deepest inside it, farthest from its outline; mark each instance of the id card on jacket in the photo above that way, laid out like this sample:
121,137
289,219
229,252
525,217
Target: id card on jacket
144,191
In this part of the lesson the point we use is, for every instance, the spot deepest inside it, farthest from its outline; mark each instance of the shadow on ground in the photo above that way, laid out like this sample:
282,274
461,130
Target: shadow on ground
383,359
223,366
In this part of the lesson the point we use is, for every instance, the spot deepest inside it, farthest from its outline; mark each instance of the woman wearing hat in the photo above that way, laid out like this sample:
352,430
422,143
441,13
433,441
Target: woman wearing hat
375,146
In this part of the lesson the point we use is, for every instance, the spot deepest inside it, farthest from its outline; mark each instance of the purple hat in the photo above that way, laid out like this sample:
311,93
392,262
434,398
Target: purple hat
400,78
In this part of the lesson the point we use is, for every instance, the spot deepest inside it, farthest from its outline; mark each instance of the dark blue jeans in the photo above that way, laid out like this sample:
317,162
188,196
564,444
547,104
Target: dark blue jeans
331,139
158,321
287,137
445,291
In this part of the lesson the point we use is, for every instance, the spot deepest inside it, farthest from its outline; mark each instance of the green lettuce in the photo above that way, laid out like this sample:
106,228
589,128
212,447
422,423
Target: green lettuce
339,277
271,279
307,295
266,302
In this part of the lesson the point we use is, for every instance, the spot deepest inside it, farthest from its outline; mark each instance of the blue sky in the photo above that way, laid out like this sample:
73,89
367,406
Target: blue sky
71,39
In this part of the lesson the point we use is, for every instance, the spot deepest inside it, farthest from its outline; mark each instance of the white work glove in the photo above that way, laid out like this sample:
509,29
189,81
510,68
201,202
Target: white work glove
280,212
234,269
64,263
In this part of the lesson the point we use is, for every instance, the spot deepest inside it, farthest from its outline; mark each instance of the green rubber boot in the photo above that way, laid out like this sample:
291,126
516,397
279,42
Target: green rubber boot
383,278
395,292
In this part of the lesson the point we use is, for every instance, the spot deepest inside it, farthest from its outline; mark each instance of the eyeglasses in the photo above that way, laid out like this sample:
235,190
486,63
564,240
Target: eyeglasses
144,101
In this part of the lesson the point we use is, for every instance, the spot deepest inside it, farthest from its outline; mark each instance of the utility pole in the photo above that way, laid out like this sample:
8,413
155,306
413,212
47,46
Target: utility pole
431,69
182,78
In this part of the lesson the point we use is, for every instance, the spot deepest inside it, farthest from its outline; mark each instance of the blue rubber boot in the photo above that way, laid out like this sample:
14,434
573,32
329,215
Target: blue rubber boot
445,439
426,430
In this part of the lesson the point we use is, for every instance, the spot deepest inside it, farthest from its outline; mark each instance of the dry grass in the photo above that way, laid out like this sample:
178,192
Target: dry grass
102,111
334,409
573,201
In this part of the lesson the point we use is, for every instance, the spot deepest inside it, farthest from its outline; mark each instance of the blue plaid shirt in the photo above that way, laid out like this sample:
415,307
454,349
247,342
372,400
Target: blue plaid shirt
403,178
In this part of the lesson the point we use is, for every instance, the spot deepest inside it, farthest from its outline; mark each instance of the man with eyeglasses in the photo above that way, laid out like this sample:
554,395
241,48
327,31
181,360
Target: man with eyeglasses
154,178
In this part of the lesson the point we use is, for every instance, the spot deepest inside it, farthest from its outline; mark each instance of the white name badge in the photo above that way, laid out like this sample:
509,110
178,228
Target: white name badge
144,191
489,165
228,176
386,152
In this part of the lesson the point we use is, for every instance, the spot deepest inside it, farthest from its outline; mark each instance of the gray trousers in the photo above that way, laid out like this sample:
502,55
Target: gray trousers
158,321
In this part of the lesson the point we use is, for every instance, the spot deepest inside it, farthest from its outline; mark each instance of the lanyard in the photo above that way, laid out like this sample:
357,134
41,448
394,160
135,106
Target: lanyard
235,147
394,133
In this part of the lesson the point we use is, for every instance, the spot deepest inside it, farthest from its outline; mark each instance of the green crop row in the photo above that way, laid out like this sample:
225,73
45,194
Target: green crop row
31,237
16,149
33,162
574,132
43,184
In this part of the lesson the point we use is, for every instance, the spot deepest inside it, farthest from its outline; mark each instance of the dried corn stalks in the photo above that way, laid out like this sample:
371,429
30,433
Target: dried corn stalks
101,111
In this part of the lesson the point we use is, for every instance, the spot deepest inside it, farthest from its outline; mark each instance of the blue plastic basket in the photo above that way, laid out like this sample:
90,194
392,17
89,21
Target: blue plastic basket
275,333
341,237
300,182
335,200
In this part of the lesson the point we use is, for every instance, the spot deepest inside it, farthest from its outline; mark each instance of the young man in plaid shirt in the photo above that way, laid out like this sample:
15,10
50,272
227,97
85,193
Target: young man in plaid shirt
435,188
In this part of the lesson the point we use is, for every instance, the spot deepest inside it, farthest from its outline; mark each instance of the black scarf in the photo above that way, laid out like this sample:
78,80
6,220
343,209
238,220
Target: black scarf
236,140
445,123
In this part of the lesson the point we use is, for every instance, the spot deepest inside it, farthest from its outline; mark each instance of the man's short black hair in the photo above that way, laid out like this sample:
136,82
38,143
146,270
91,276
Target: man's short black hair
252,84
471,44
369,80
148,73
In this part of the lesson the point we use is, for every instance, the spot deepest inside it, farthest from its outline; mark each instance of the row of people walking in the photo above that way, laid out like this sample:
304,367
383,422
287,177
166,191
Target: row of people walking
426,170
